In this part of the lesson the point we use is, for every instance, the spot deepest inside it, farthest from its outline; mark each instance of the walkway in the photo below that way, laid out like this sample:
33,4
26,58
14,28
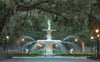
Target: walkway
49,59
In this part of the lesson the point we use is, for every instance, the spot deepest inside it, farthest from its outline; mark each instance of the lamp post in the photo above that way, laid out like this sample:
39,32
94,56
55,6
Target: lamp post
7,40
97,34
76,40
22,41
92,43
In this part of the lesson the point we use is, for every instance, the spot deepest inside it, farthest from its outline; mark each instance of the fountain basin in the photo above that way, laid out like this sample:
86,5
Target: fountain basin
49,45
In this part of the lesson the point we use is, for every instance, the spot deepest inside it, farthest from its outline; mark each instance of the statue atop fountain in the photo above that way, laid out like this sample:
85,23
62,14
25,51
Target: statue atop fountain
49,41
49,31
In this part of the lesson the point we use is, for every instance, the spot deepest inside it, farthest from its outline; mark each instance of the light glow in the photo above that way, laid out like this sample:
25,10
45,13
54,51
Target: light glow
98,35
7,37
23,39
92,37
76,39
97,30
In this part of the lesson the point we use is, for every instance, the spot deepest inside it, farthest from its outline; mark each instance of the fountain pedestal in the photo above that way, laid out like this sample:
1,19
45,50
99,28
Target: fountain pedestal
49,49
49,42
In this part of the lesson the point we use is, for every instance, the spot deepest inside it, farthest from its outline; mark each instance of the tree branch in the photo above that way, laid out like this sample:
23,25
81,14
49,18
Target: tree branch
27,7
50,11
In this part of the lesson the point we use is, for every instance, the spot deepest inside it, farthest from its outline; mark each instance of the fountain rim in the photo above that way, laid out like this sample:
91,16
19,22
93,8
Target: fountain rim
52,41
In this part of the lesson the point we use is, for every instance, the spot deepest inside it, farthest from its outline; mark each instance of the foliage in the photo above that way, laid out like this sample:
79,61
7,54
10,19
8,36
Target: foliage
77,54
69,17
22,54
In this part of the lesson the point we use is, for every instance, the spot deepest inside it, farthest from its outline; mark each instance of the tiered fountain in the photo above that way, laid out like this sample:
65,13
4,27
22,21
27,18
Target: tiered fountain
49,42
50,46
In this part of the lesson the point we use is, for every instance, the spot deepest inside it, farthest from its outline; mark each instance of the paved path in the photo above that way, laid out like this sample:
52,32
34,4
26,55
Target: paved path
49,59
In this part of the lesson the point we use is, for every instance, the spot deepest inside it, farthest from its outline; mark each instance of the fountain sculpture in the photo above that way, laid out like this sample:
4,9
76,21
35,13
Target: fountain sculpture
49,46
49,42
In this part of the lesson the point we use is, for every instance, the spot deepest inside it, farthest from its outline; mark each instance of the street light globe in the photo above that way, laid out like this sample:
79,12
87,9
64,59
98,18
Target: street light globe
76,39
98,35
7,37
97,30
92,37
23,39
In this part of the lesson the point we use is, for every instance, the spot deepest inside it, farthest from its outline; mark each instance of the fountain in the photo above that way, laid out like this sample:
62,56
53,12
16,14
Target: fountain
49,42
48,46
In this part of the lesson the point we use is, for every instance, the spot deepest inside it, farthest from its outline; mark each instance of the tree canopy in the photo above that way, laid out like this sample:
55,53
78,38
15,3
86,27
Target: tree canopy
29,17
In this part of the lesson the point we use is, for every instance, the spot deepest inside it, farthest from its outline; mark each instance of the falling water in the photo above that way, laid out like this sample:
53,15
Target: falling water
68,37
27,37
34,47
